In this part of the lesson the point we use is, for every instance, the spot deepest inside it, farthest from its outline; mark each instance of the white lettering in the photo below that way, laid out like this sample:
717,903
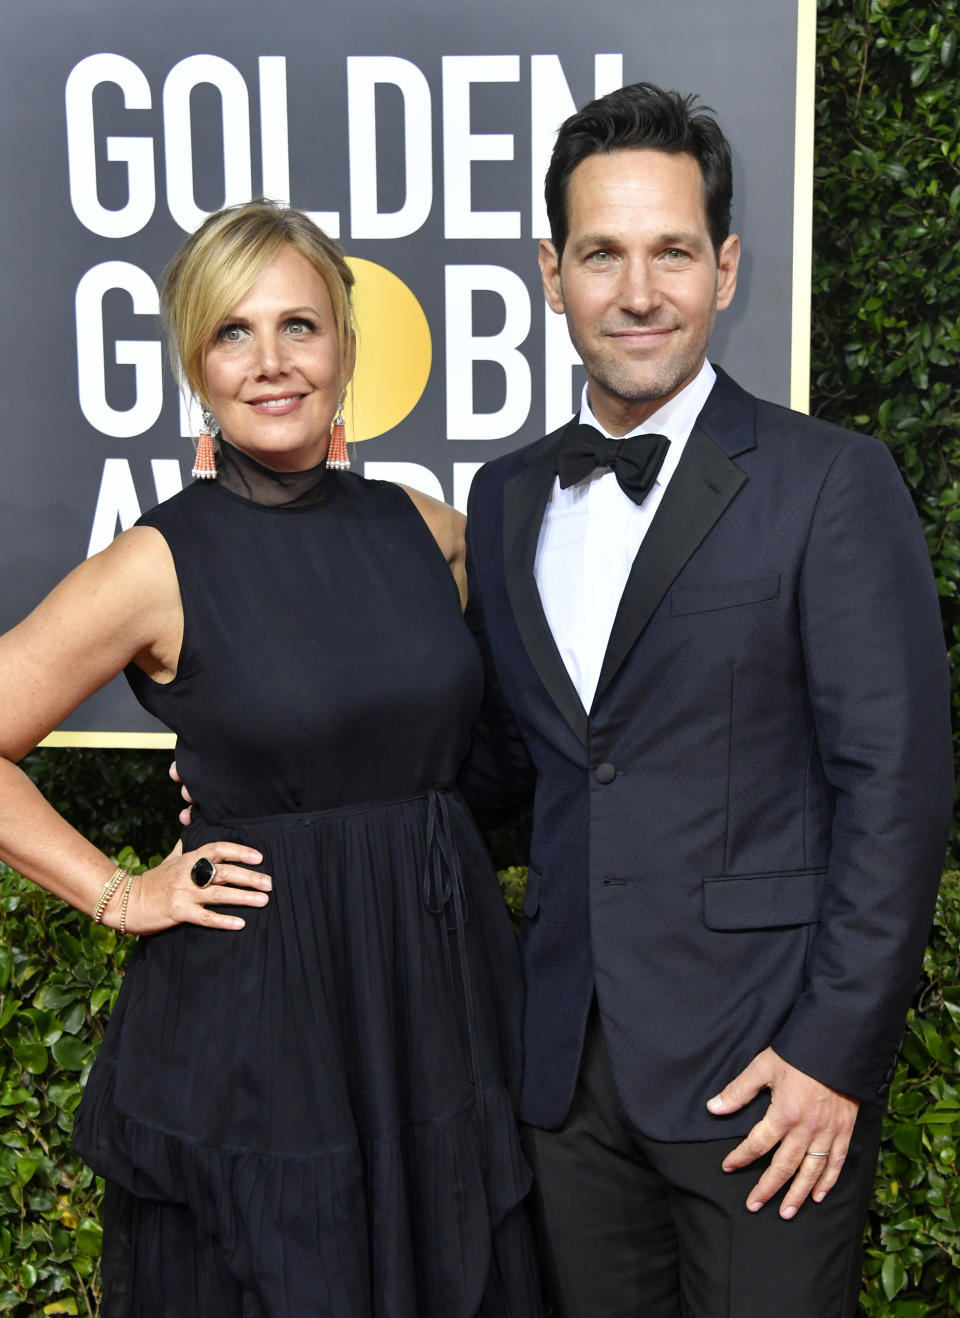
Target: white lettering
364,73
143,355
463,474
551,103
167,477
178,135
405,473
117,501
464,348
135,152
461,147
559,355
274,140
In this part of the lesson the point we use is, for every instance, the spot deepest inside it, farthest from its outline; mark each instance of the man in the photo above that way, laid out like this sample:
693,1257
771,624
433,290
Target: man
730,677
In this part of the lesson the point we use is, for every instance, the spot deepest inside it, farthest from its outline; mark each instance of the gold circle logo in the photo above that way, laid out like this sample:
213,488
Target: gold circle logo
394,351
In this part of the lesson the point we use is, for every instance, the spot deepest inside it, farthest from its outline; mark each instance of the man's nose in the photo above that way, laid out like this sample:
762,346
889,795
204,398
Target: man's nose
639,290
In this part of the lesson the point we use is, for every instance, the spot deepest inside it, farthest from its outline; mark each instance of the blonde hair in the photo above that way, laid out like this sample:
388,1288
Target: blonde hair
217,265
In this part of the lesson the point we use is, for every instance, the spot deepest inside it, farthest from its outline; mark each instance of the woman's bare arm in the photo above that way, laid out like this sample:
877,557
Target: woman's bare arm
122,605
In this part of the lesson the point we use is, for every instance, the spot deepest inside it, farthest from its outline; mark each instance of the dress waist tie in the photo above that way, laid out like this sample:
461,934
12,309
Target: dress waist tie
445,896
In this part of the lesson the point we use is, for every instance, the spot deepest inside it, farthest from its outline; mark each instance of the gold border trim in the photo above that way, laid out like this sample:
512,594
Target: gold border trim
803,205
113,740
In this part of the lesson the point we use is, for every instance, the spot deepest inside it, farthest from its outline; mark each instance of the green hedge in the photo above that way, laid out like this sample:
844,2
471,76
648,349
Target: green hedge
886,243
59,975
912,1263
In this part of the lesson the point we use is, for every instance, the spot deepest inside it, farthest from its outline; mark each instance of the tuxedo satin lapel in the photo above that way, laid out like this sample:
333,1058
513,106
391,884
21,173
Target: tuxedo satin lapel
702,486
524,498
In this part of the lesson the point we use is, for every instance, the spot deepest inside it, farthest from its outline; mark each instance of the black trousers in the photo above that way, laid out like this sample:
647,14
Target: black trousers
631,1227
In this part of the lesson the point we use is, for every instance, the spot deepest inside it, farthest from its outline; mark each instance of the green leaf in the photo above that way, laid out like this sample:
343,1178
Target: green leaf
31,1056
10,1008
26,1166
12,1095
90,1238
893,1276
908,1138
71,1053
53,997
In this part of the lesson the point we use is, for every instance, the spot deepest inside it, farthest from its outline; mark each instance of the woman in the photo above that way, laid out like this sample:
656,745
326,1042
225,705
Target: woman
302,1105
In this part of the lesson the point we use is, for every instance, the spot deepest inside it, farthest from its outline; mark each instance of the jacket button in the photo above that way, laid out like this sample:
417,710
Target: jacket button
605,773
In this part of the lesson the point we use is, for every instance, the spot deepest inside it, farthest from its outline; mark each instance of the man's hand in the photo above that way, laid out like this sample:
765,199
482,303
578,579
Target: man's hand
805,1117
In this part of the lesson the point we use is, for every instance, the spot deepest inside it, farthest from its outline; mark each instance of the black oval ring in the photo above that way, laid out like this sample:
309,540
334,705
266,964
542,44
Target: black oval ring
202,872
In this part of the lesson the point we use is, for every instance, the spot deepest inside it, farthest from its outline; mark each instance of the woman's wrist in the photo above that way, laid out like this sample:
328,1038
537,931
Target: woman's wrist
112,904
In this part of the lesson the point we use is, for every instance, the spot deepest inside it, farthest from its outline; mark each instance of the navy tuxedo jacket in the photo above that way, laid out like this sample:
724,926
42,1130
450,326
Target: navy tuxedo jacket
740,844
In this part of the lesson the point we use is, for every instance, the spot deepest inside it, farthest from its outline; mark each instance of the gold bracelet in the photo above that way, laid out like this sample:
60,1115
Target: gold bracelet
109,888
123,905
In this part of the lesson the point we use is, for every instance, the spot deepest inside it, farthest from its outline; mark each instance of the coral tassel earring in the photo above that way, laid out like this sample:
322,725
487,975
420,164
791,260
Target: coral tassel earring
204,459
337,456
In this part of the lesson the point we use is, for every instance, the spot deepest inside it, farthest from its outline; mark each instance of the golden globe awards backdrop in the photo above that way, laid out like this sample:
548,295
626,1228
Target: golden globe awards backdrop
415,131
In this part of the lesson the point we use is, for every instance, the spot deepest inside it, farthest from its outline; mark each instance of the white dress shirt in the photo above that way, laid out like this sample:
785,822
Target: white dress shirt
590,535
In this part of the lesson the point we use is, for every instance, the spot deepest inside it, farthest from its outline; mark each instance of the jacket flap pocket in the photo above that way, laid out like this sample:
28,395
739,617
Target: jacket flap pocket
724,594
763,901
531,894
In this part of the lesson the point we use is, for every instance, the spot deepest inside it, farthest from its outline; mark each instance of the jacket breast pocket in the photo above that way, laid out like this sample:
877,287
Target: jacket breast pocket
763,901
724,594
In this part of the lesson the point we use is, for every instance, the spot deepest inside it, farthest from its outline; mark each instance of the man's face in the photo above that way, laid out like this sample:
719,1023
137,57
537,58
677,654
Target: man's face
639,281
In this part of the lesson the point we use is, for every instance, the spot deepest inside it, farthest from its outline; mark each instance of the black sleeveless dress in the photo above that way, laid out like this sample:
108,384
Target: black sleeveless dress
314,1116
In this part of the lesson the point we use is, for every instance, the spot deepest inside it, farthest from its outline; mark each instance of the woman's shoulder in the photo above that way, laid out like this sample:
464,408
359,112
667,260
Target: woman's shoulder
446,524
178,507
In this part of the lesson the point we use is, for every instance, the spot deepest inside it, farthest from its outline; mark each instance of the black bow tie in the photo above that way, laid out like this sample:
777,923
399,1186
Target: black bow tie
635,460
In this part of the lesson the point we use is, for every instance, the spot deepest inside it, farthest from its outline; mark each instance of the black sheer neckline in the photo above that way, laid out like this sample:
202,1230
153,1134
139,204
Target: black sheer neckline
243,475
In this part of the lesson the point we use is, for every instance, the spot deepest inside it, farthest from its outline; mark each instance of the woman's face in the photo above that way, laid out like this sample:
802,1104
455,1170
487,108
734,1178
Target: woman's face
272,369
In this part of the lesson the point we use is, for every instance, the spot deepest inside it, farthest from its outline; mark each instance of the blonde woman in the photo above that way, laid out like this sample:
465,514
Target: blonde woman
303,1105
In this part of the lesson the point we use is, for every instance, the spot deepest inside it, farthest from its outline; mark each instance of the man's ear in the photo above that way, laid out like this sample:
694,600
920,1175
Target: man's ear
550,274
727,267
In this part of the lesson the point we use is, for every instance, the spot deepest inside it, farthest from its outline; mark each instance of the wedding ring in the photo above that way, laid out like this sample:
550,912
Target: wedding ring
810,1154
202,872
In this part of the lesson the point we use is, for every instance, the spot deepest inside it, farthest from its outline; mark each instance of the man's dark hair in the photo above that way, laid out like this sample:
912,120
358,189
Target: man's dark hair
643,115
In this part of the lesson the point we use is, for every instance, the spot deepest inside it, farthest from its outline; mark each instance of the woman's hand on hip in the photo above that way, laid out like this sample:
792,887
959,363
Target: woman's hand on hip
170,893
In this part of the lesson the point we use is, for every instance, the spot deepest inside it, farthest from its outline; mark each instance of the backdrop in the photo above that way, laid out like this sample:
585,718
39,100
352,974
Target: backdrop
418,133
